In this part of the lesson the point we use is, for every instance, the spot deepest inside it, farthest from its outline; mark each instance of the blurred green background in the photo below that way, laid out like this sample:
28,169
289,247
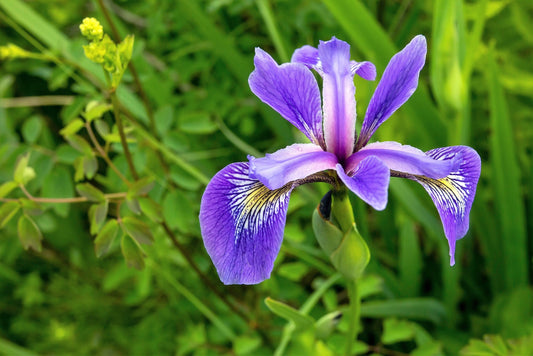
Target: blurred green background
190,112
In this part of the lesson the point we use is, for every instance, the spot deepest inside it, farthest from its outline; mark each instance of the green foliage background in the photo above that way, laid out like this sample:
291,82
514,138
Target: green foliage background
192,114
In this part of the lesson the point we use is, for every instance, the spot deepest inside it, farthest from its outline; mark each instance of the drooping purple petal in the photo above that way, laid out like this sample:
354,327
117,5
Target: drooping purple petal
291,163
338,97
369,181
366,70
454,194
242,224
291,90
398,83
405,159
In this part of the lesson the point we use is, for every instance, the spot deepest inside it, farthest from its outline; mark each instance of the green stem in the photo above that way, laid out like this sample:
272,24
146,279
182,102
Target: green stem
120,125
354,315
270,22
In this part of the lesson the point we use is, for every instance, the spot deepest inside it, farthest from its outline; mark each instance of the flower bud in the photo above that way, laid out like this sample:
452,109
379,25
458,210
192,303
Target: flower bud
337,234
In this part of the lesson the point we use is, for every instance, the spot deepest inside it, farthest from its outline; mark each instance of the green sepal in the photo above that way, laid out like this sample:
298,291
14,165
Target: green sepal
301,321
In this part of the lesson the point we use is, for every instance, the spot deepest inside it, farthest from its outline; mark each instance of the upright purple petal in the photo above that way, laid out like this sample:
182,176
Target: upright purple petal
398,83
405,159
338,97
291,163
306,55
369,181
242,224
454,194
290,89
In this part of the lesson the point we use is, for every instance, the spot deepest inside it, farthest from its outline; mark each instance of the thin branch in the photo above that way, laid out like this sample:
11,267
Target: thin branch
104,155
44,100
62,200
122,135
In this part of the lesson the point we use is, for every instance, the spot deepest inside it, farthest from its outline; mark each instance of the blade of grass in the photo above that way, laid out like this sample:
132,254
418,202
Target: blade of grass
505,179
268,17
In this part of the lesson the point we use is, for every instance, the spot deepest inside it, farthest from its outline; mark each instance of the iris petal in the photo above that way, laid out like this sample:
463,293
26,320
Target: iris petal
369,181
405,159
242,224
454,194
398,83
292,163
338,97
291,90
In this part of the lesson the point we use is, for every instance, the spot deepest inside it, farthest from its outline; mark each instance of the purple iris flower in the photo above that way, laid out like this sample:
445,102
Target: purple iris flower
244,207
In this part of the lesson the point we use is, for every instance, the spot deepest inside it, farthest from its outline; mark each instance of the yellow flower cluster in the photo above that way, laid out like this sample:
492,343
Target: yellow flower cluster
102,50
91,29
11,51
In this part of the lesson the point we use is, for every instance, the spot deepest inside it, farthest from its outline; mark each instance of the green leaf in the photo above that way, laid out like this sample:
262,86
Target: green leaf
141,187
132,253
58,184
21,168
90,192
413,308
80,144
97,216
73,127
95,110
90,166
300,320
29,234
105,237
31,129
7,211
137,229
133,205
395,330
151,209
6,188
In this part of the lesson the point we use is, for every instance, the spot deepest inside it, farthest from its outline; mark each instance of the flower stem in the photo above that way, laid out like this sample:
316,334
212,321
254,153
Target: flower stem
354,315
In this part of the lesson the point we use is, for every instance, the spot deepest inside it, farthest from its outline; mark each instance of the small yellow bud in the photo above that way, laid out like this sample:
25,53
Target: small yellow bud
91,29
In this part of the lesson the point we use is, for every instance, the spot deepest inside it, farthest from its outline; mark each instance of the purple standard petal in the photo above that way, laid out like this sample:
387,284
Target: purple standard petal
290,89
369,181
242,224
338,96
453,195
292,163
405,159
398,83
